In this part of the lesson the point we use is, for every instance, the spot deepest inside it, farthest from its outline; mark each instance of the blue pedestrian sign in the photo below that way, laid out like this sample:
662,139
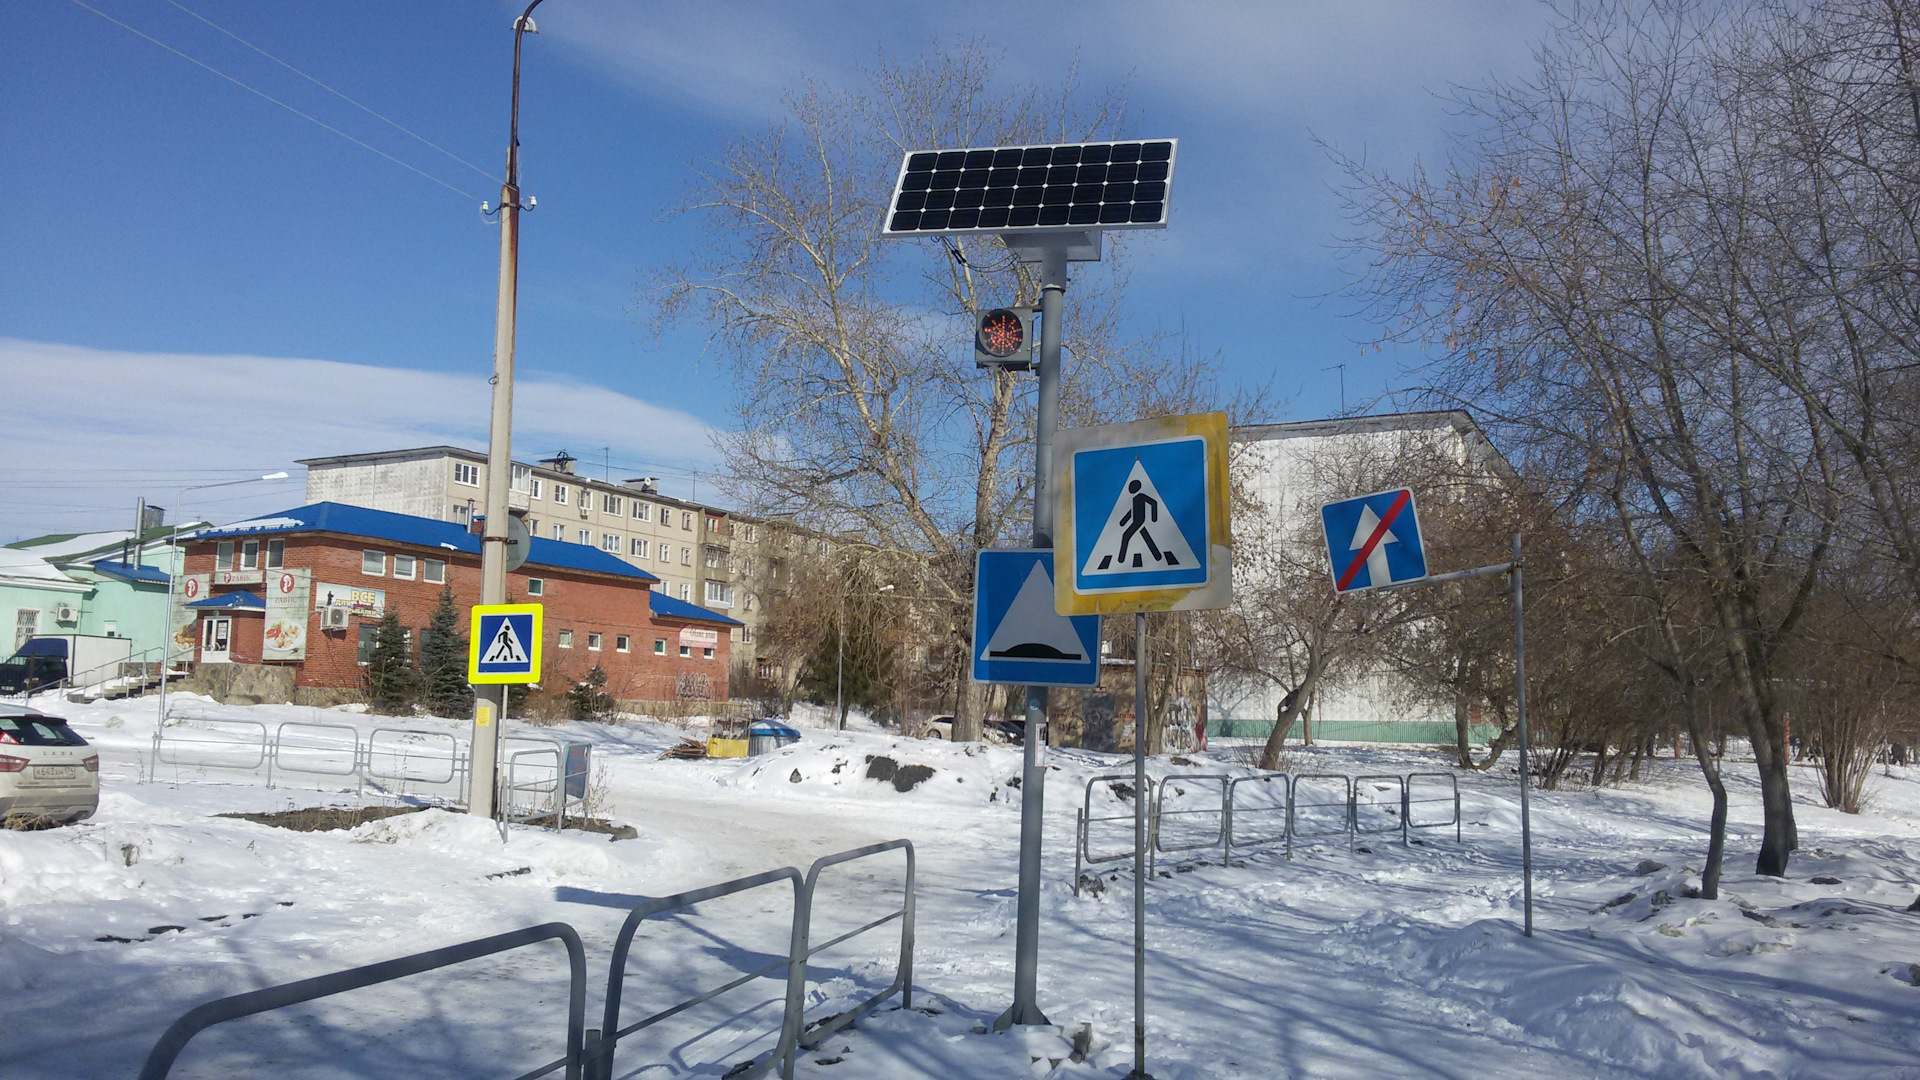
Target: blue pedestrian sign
504,644
1373,540
1017,636
1144,507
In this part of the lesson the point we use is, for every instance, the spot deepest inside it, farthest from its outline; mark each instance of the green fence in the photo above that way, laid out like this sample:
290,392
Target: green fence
1409,732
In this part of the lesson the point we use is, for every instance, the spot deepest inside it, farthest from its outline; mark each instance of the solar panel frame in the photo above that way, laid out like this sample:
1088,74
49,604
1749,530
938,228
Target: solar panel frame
1037,189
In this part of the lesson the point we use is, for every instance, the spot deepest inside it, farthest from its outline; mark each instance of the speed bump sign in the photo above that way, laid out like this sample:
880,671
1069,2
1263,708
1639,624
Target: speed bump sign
503,644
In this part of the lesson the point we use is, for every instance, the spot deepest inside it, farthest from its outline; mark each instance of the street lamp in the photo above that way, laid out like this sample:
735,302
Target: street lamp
174,570
840,676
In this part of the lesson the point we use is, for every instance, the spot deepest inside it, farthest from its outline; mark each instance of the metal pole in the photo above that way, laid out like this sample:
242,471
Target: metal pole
1520,714
1033,773
840,665
1139,848
490,702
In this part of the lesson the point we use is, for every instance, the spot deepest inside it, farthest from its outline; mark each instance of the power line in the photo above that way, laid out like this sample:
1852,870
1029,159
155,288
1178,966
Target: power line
275,100
335,93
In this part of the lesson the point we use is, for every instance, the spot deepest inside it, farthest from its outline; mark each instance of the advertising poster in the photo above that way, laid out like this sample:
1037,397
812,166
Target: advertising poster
185,628
289,607
371,603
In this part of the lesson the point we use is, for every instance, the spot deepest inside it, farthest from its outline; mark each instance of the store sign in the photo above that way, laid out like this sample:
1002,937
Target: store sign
239,577
704,638
289,609
369,602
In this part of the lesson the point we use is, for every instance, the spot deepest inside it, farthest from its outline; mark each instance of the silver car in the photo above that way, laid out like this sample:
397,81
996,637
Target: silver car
48,773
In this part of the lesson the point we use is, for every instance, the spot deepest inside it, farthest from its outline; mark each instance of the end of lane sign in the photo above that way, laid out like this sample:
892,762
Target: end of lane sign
1373,540
503,644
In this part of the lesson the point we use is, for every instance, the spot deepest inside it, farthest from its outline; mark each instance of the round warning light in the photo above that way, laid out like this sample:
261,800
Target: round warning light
1001,333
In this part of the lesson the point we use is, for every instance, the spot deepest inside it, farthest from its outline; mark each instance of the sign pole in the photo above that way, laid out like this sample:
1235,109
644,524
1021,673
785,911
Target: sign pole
1139,848
1520,718
1033,774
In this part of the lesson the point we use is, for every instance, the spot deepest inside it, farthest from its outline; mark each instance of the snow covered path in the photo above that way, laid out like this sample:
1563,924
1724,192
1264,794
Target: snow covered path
1387,960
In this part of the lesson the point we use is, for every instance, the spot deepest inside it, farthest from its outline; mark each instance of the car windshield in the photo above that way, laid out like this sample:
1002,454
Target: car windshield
38,731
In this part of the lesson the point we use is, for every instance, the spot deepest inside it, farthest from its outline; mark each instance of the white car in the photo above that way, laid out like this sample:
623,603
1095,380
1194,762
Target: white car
47,771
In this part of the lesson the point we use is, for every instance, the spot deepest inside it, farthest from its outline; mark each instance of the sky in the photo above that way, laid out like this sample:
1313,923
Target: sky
199,284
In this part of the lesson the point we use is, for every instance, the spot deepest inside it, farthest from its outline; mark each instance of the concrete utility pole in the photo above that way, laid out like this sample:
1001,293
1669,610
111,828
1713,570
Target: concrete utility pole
490,702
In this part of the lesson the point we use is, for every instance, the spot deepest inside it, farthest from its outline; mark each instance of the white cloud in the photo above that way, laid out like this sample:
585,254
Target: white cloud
84,432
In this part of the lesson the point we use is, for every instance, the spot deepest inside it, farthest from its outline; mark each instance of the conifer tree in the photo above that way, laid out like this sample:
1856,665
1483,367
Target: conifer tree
588,699
443,662
390,674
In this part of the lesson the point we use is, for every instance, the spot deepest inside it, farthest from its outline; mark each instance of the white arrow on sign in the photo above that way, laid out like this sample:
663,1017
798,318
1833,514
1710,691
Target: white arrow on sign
1377,558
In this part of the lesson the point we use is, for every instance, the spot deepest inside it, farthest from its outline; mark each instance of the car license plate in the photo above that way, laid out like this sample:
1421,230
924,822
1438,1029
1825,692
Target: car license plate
53,772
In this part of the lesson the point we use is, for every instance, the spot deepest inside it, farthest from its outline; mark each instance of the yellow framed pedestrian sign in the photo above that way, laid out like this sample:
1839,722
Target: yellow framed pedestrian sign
503,644
1141,516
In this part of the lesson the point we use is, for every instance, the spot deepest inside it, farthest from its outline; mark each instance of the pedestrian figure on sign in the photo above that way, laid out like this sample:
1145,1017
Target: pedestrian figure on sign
1145,508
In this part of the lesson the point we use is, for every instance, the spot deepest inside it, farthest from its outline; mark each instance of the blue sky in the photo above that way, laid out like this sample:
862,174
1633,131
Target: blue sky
200,285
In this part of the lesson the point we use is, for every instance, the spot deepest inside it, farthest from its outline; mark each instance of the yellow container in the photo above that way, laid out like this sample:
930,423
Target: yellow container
718,747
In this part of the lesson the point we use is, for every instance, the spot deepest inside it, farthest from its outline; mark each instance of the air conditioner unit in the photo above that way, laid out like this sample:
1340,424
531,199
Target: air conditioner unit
66,613
583,510
335,618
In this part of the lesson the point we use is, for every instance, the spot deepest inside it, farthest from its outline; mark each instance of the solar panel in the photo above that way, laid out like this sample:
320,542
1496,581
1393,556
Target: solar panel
1072,186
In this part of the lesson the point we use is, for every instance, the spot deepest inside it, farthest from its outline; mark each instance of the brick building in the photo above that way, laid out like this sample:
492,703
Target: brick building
303,590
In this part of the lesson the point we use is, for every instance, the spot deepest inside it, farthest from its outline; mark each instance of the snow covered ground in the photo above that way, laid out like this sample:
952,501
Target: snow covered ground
1386,960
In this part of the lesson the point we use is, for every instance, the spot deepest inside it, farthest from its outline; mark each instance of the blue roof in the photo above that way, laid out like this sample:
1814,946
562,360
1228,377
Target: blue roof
130,572
422,532
662,604
233,601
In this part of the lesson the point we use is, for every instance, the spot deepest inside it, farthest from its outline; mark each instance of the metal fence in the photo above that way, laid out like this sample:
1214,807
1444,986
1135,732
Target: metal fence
590,1054
1197,811
390,760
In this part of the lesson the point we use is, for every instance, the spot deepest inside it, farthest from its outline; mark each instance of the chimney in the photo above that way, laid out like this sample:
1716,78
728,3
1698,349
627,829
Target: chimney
648,485
560,462
152,517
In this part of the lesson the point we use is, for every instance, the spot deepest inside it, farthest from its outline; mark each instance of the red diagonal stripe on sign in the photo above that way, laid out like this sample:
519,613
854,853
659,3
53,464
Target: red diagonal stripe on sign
1400,502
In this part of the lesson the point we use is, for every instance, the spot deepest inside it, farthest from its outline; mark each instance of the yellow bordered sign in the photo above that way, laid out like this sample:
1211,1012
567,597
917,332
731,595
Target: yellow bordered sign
503,644
1140,513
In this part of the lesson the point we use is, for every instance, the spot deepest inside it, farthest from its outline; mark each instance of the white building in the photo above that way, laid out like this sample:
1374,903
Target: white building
1291,470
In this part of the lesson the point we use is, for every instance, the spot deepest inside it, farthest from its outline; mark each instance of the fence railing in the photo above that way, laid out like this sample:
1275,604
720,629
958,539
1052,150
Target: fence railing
1196,811
393,760
165,1052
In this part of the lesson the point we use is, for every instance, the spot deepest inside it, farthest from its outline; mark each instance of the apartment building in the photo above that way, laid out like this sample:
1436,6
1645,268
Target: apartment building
702,555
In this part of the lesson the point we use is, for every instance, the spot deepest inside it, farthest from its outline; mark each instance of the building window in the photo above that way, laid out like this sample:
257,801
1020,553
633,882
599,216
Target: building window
276,554
752,602
713,557
823,547
403,567
686,520
363,648
666,552
533,487
659,646
610,542
521,474
638,549
746,634
223,556
560,494
466,474
686,650
707,653
746,566
713,525
565,639
686,592
584,536
593,642
433,571
719,594
536,586
686,555
763,668
559,531
622,643
373,563
462,514
642,511
611,504
26,623
250,555
751,537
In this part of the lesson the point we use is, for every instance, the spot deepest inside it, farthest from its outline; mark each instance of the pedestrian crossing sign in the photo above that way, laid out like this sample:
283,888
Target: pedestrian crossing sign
1142,515
503,644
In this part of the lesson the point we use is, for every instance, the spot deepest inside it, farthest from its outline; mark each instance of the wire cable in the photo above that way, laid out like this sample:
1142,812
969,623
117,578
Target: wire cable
253,90
335,93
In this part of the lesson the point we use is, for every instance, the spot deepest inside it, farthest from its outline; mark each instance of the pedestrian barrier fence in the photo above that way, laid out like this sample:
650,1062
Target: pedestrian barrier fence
161,1058
1192,811
1320,806
589,1055
323,749
542,776
412,756
1198,817
1425,790
1373,813
396,760
212,744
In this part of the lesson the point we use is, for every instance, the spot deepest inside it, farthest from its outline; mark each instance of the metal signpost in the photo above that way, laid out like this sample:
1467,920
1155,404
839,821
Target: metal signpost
1050,204
1373,542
